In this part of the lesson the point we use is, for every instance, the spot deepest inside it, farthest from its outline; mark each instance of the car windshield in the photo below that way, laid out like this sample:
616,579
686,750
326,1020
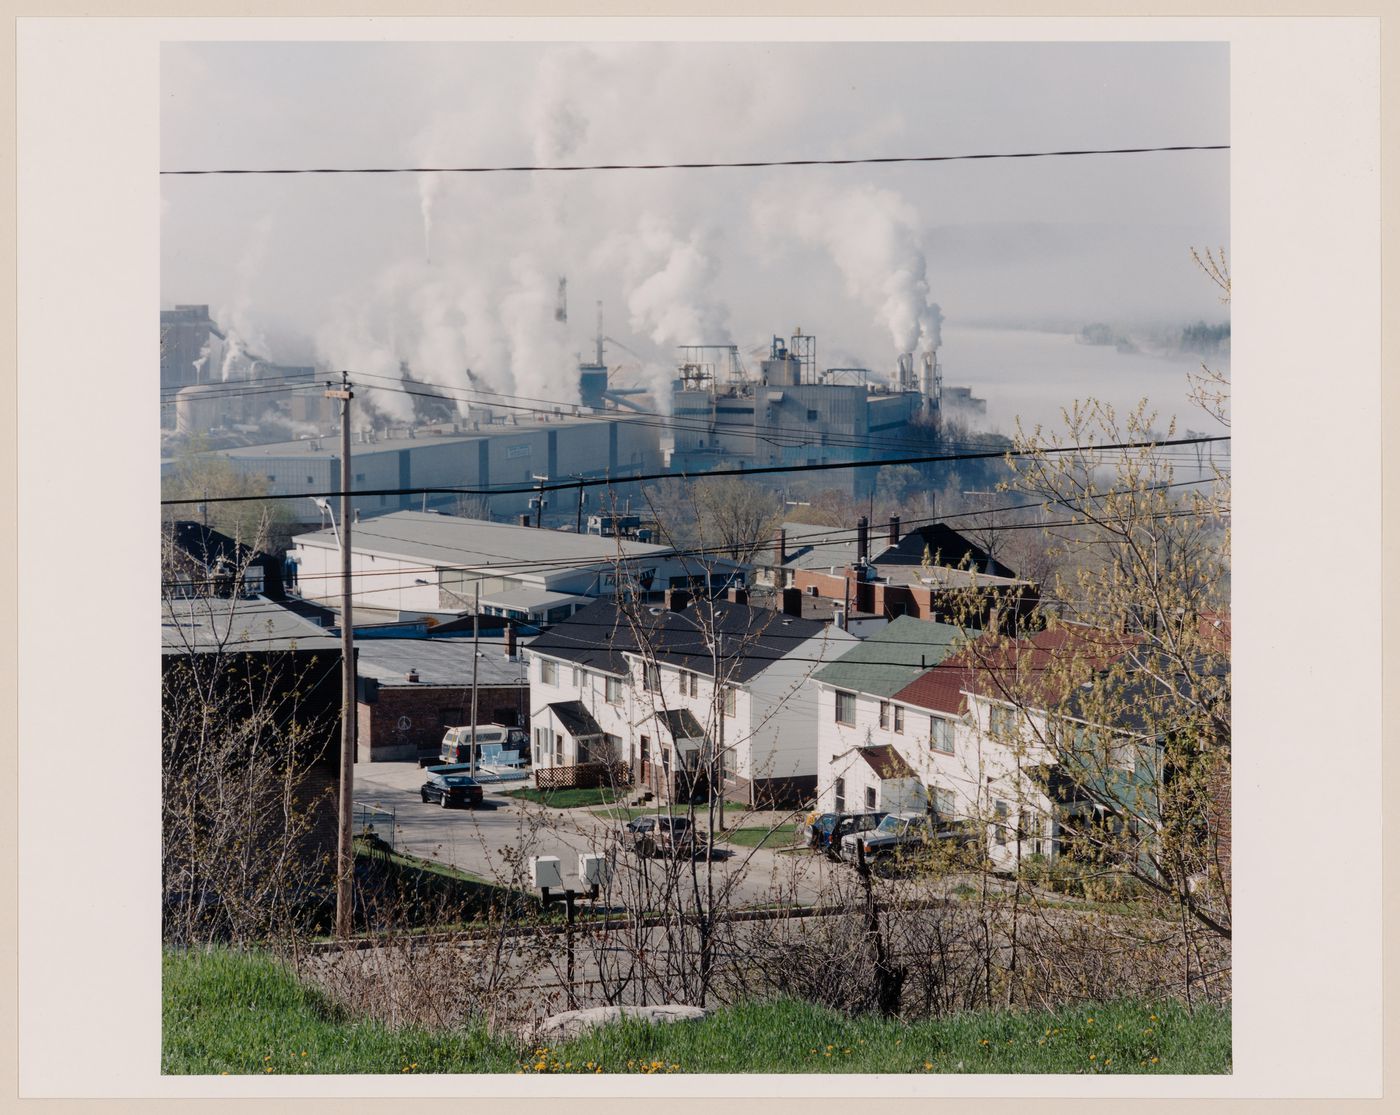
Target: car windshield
459,780
889,826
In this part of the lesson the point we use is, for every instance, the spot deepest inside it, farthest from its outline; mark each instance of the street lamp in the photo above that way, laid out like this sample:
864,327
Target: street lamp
325,507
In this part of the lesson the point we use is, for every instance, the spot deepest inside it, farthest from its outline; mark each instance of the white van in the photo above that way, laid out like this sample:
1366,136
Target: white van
490,738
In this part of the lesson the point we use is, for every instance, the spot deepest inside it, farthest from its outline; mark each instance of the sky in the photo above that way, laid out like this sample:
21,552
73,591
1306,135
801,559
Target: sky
455,271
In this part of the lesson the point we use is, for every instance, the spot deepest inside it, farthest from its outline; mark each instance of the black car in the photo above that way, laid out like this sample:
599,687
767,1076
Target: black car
663,834
451,789
830,828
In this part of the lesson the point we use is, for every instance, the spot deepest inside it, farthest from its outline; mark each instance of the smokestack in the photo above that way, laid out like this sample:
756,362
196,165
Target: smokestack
863,540
511,651
792,602
894,530
780,548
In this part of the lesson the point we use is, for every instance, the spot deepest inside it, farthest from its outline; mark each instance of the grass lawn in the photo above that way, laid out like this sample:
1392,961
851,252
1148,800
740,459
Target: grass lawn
566,799
631,812
239,1013
779,837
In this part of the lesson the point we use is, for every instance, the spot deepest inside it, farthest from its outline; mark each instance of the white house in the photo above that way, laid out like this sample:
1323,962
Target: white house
638,685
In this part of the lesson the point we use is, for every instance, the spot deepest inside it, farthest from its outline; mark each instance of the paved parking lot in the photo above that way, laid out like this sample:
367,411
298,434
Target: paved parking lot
487,840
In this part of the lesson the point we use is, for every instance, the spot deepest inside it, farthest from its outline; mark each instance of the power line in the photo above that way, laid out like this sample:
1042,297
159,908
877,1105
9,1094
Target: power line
764,470
754,163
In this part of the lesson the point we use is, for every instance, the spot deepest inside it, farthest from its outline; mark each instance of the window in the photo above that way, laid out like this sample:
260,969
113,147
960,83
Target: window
840,795
729,702
845,708
580,677
884,714
558,748
899,719
870,797
689,683
549,671
1002,720
941,799
613,746
651,678
359,477
271,477
940,734
811,416
646,749
614,691
311,480
999,830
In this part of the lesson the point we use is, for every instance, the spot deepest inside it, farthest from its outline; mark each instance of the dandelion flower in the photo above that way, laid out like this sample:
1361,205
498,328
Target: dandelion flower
1154,1060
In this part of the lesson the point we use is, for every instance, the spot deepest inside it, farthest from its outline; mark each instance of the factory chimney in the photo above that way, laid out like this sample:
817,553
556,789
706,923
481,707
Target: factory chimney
862,540
894,530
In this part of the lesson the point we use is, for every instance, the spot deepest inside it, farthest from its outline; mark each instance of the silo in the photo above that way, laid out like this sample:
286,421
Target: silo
200,408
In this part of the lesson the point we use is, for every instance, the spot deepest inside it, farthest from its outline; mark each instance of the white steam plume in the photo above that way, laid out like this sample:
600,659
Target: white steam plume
871,236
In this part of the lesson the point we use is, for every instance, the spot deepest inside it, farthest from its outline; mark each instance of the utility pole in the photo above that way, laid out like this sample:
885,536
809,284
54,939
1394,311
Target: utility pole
538,500
476,657
717,766
345,856
578,519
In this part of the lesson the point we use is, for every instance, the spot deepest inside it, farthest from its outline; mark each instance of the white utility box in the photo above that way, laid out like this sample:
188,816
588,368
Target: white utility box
593,869
544,872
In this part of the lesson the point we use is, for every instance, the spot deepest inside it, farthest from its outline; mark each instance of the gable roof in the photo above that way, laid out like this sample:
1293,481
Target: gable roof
886,761
892,657
601,636
938,690
945,547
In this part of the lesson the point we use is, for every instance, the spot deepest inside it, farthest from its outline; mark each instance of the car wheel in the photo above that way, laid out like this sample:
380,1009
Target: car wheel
443,801
424,795
645,848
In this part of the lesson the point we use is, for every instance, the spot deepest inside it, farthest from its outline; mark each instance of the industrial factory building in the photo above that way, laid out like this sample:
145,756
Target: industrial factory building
792,413
495,455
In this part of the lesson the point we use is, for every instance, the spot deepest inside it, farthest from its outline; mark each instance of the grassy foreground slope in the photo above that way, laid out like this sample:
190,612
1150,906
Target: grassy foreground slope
238,1013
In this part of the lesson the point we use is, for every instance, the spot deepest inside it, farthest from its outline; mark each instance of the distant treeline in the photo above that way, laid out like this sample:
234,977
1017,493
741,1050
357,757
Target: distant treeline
1199,339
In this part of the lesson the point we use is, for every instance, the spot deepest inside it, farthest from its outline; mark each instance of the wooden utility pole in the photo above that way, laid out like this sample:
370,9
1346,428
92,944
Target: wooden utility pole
345,852
476,658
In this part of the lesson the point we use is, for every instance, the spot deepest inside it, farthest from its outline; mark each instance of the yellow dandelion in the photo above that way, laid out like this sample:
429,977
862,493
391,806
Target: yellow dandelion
598,1069
1091,1022
928,1065
1152,1018
1154,1060
1093,1056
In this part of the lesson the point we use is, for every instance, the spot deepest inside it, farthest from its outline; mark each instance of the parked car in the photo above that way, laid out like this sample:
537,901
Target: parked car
807,827
897,840
449,789
831,829
663,834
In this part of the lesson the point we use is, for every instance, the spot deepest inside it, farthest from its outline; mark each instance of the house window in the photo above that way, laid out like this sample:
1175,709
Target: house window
940,734
549,671
884,714
580,677
1002,721
840,803
558,748
899,719
729,702
845,707
651,678
1003,811
646,749
689,684
811,416
870,797
614,691
941,799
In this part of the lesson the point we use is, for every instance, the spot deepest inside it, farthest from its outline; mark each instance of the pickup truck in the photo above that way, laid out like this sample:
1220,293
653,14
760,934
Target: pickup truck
903,835
457,742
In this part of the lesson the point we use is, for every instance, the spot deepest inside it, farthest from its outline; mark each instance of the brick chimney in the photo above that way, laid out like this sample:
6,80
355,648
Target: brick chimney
863,540
894,530
780,547
738,594
511,650
677,599
792,602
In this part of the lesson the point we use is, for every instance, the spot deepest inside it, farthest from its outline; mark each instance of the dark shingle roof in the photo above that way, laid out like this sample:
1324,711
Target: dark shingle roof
886,761
577,720
751,638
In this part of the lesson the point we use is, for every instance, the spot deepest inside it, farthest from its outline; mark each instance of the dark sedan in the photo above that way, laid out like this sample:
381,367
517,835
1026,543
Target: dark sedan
451,789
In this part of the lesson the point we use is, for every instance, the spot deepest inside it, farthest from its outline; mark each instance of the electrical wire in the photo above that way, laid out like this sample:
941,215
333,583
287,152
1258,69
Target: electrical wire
753,163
